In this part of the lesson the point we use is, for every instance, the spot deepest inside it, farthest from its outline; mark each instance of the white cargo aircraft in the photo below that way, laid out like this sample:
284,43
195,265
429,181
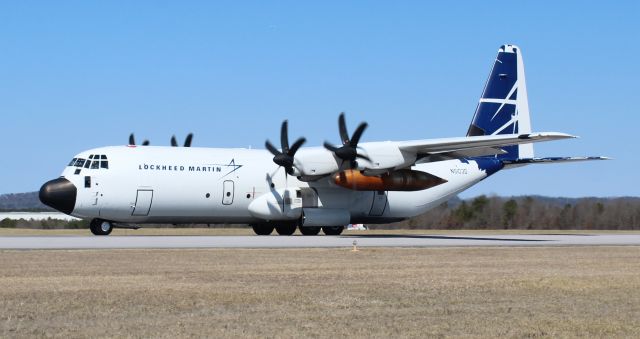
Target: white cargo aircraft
307,188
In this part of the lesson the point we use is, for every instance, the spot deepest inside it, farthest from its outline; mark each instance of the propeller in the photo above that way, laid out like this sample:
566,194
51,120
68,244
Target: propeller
284,158
132,140
349,149
187,140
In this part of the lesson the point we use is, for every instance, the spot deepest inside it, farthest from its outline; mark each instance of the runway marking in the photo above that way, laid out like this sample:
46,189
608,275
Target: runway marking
373,240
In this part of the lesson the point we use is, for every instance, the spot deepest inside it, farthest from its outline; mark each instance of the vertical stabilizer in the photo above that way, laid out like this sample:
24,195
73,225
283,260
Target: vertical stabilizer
503,107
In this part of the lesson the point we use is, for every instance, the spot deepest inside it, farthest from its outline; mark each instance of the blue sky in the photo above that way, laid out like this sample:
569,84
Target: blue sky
78,75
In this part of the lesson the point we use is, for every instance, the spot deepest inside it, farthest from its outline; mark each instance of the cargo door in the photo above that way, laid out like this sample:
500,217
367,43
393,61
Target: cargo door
143,203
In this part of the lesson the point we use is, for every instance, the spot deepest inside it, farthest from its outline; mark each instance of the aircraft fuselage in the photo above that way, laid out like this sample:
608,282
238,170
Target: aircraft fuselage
207,185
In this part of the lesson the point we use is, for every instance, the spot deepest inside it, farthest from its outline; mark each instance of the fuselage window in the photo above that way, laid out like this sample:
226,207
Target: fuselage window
73,162
95,164
80,162
87,164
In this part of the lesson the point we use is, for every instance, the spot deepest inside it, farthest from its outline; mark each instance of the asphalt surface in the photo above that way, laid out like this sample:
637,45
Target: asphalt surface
346,240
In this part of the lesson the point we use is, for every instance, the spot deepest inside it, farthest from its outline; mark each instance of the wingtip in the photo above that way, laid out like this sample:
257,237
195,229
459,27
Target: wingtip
566,135
555,135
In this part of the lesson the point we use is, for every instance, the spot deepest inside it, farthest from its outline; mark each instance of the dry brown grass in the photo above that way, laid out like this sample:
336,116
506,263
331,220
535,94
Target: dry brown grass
478,292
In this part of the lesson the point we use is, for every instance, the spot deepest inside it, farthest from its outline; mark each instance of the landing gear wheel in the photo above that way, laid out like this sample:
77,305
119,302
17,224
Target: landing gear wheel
311,230
262,229
100,227
332,230
286,229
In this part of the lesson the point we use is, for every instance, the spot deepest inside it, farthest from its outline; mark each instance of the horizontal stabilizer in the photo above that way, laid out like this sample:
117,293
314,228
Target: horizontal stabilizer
435,146
549,160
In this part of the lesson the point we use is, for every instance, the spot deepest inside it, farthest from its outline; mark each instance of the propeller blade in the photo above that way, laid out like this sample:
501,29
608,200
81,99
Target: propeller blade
342,125
348,151
132,140
284,137
296,146
361,156
271,148
187,141
330,147
358,134
145,143
174,142
284,157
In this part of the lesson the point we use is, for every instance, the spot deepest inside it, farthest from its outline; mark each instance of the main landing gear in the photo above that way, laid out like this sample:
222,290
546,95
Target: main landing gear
101,227
332,230
281,229
310,230
290,228
286,229
262,229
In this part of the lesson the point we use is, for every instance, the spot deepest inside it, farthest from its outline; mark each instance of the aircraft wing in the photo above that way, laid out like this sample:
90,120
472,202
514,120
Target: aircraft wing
475,145
385,156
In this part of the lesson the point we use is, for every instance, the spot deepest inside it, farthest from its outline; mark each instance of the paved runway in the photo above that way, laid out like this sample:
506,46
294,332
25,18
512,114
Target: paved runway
404,240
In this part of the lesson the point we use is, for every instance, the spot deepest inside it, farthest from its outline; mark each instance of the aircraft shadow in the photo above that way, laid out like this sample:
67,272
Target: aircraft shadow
442,237
571,234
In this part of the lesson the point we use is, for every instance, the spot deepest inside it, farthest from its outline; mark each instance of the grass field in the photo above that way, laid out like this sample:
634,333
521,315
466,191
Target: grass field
441,292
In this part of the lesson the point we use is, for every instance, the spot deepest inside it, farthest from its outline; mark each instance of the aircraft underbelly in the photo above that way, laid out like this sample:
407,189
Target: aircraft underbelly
184,197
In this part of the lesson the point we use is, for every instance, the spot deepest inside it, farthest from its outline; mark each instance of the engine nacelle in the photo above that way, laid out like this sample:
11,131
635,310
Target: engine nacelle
315,162
325,217
400,180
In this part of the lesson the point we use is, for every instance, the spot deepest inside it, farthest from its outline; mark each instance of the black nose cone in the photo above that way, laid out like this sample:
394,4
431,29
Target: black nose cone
60,194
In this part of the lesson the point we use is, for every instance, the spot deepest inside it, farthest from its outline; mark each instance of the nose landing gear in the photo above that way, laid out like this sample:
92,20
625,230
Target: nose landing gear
101,227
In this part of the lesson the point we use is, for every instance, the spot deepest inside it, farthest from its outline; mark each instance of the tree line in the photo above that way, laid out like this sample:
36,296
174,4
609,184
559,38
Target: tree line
529,212
482,212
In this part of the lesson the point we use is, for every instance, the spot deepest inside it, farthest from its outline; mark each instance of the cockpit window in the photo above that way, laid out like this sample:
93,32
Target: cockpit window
95,161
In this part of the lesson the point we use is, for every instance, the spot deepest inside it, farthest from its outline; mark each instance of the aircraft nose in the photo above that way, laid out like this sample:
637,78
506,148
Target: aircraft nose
60,194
